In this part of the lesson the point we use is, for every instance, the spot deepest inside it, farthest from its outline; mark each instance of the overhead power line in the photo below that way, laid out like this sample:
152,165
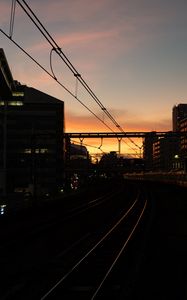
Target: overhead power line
55,47
52,76
12,16
62,55
59,51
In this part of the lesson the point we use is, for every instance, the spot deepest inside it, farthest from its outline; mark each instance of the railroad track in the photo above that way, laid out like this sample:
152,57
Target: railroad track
38,223
42,263
29,250
100,272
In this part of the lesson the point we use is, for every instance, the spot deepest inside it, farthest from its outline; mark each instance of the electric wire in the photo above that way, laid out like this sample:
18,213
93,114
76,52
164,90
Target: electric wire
12,17
47,35
52,76
87,145
59,51
51,65
64,58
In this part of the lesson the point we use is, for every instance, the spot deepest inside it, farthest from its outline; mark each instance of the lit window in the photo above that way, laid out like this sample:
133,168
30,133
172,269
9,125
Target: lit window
27,151
2,103
37,150
18,94
43,150
15,103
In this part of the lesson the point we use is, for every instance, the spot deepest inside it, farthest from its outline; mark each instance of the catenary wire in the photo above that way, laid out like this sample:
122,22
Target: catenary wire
59,51
52,76
12,17
91,146
68,63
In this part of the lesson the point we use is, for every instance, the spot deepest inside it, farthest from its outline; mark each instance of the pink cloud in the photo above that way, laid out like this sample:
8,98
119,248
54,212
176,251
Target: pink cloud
74,39
86,37
68,10
4,11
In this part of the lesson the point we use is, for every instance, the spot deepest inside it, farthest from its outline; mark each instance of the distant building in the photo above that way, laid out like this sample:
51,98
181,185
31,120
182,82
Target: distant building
183,128
31,134
169,152
179,113
78,164
165,151
183,143
180,125
148,142
113,164
78,152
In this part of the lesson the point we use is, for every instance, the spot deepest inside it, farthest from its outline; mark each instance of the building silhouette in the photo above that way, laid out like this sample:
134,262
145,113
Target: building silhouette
169,152
148,142
183,140
31,134
179,113
165,152
179,119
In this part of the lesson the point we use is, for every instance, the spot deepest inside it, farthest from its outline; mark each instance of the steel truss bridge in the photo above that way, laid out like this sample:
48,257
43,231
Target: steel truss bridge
152,135
120,135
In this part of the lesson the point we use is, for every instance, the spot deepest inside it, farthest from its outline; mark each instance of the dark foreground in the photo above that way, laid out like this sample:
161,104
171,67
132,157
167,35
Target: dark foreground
163,273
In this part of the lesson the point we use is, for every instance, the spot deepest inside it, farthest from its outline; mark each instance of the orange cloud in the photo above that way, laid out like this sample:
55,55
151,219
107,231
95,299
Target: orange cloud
129,122
83,123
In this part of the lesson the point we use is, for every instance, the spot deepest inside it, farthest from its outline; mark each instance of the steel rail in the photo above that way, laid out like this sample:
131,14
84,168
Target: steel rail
120,252
92,249
88,205
44,225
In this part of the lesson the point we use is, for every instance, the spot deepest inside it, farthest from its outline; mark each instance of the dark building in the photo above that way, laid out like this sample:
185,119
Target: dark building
6,86
183,143
32,147
165,152
113,164
179,113
180,124
148,142
78,165
78,152
183,128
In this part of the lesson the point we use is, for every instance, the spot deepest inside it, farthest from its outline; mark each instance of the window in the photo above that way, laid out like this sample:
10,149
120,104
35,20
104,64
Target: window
11,103
15,103
18,94
28,151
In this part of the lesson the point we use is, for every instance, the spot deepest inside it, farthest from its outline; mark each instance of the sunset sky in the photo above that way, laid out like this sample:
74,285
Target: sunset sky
132,53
